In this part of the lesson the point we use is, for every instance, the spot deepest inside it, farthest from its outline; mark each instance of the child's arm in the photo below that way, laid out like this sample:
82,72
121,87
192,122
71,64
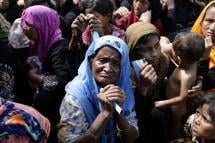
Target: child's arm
186,83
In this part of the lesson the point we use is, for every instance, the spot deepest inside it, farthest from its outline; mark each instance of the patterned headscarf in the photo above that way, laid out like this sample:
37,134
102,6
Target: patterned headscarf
18,122
86,90
47,23
197,27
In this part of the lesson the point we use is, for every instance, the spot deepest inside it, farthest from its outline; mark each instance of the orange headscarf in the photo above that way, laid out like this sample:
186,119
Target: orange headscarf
197,27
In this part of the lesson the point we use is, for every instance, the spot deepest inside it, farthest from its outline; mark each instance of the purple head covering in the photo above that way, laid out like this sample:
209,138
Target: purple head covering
47,23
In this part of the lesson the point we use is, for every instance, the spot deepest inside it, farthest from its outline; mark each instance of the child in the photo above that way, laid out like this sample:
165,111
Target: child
188,47
145,11
201,125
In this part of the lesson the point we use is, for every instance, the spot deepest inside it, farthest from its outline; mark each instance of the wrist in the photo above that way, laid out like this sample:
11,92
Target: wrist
92,134
106,114
142,89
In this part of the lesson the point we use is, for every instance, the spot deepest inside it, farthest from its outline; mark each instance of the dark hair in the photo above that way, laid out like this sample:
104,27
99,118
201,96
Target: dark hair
209,99
155,9
103,7
144,39
189,46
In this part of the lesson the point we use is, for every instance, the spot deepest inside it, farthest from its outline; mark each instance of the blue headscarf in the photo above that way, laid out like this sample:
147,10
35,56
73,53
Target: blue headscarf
86,90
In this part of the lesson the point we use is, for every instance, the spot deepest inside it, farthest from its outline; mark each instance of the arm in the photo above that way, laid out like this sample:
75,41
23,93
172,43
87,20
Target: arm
73,126
56,63
208,46
127,131
35,77
185,84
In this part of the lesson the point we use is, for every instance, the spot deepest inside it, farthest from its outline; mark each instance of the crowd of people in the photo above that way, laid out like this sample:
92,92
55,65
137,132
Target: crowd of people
107,71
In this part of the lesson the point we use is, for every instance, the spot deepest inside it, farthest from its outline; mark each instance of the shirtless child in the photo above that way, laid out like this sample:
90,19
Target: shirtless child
188,47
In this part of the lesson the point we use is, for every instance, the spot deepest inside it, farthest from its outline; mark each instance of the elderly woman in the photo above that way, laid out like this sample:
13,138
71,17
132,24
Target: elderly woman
205,25
88,112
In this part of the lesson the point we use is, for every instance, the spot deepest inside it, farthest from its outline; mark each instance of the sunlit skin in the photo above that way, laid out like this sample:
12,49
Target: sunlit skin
140,6
203,127
150,51
208,23
106,66
4,4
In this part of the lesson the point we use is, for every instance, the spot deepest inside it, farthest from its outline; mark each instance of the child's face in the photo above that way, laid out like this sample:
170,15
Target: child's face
140,6
208,24
150,51
203,127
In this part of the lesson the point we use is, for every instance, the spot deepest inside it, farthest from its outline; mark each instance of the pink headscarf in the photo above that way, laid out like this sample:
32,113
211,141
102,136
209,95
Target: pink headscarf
47,23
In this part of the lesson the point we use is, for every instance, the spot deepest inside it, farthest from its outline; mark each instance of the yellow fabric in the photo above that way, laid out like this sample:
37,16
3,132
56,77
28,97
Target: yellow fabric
197,27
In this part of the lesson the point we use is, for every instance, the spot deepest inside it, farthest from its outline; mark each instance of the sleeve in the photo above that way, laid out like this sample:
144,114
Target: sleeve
57,62
73,121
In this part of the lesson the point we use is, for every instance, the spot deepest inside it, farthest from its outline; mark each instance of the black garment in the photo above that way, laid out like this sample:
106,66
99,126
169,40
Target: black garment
68,12
208,81
48,102
125,3
153,122
13,80
12,13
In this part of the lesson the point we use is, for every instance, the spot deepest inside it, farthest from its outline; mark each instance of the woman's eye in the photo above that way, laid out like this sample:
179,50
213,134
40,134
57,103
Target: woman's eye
116,63
102,60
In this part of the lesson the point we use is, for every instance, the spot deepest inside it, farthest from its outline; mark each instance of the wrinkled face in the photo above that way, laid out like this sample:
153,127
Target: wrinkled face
150,50
140,6
208,23
4,4
106,66
30,32
203,126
